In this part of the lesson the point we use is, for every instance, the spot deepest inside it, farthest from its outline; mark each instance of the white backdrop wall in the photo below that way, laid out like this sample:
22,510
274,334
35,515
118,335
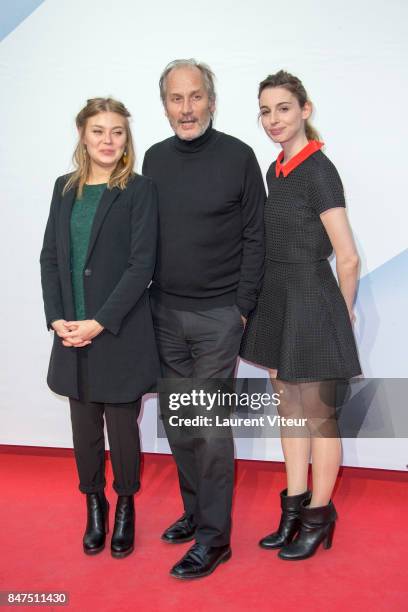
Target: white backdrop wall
352,58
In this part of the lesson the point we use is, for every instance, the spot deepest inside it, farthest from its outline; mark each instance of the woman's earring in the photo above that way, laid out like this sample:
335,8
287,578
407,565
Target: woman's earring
124,158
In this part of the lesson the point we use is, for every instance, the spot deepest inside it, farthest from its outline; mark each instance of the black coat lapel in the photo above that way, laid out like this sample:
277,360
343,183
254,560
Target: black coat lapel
107,199
65,220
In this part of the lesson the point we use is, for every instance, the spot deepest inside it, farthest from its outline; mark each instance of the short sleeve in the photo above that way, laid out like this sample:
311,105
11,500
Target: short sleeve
326,189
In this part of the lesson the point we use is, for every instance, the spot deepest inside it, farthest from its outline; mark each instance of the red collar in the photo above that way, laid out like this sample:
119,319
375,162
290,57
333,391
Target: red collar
311,147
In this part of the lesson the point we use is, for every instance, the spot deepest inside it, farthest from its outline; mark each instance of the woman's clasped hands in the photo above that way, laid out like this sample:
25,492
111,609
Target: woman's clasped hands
77,333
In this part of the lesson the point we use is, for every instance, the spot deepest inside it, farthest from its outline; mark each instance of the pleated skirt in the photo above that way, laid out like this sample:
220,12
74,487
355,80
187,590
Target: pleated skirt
301,326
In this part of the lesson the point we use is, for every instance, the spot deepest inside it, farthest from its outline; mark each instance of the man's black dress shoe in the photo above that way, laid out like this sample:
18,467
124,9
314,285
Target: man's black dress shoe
182,530
200,561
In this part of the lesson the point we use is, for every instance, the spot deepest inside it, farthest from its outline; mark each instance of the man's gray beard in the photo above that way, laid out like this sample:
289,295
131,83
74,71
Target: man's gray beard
203,129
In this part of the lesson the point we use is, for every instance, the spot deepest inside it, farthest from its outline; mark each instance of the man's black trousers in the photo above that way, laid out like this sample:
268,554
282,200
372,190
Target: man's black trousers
201,344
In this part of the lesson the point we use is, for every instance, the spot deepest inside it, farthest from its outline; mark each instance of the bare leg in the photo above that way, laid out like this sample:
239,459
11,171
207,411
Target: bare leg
326,458
296,450
318,401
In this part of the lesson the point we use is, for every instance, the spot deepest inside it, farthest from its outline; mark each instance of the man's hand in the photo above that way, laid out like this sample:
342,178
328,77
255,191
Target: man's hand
244,320
77,333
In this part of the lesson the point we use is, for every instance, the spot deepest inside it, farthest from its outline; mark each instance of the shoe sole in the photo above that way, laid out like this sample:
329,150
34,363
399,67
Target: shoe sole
302,557
295,558
179,540
94,551
226,556
265,547
121,555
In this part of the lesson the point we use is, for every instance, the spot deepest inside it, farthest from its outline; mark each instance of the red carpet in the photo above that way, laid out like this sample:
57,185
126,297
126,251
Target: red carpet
42,517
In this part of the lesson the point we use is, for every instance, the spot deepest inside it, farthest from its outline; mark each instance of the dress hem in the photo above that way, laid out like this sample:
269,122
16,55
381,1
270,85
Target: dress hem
315,378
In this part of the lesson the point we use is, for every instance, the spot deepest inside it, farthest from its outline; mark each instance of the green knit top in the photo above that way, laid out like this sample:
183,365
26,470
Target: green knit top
82,216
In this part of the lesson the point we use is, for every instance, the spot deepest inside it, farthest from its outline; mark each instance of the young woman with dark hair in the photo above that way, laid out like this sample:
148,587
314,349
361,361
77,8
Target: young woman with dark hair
301,329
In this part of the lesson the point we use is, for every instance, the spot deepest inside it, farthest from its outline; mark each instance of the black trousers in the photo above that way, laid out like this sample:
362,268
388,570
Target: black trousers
201,344
89,440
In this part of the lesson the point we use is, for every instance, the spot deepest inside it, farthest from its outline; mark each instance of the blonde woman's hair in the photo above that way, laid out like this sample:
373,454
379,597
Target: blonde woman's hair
124,168
295,86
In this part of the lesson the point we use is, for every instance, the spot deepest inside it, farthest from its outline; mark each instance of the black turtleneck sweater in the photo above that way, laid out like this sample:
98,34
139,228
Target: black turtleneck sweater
211,199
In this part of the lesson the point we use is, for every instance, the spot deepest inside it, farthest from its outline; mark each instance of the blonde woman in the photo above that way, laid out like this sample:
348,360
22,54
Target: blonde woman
97,260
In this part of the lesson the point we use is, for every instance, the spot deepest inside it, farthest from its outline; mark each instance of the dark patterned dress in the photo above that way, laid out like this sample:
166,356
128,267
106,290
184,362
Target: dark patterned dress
301,325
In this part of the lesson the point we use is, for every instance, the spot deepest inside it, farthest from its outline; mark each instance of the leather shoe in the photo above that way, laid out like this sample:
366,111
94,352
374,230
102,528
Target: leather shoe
316,527
123,537
97,523
289,522
182,530
200,561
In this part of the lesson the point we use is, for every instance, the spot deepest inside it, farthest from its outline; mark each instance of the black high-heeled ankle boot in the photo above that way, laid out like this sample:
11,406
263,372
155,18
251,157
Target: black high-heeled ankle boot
289,522
316,526
123,537
97,525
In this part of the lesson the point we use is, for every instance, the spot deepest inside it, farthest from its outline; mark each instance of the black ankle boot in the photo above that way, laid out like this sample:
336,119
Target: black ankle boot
124,531
316,526
289,522
97,523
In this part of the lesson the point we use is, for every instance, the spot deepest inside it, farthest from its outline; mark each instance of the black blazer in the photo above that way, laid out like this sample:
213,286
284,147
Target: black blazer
123,360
